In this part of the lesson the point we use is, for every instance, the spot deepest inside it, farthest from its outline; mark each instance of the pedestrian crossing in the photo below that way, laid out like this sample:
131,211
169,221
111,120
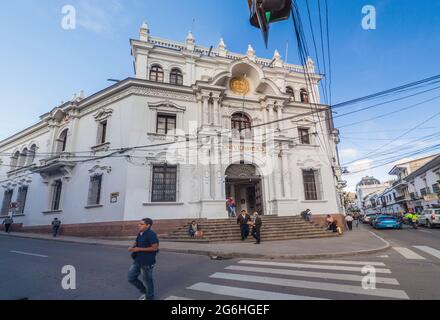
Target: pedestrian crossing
311,280
307,280
412,254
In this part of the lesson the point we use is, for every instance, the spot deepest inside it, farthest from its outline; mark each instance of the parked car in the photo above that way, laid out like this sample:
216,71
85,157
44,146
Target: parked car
367,218
430,218
386,222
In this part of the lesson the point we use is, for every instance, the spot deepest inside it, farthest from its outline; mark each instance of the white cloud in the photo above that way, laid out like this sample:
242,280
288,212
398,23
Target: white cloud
98,18
348,153
363,165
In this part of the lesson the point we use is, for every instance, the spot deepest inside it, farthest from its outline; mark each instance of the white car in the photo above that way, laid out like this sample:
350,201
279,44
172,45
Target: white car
430,218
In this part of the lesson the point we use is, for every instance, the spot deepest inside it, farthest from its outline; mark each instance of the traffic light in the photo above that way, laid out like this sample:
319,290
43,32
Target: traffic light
265,12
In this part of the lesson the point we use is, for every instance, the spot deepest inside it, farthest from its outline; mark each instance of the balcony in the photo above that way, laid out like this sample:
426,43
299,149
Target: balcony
58,165
401,198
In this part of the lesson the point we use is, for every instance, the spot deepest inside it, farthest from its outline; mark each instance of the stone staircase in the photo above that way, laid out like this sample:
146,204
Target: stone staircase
274,228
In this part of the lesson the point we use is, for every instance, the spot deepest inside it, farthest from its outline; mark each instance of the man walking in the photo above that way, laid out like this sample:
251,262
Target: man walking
8,222
55,226
144,255
243,220
349,221
256,227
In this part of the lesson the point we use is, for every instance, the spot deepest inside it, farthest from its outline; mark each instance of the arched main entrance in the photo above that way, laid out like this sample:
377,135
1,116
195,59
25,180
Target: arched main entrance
245,186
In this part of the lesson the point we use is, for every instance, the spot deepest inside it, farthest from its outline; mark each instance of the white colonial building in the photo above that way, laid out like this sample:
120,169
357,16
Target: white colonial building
194,126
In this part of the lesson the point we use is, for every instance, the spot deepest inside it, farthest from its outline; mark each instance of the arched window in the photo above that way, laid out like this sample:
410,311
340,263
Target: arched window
176,77
156,73
14,160
31,154
290,91
62,141
241,124
304,96
23,156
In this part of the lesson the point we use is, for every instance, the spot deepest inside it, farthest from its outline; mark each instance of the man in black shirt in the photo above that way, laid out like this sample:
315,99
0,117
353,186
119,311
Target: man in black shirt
144,253
243,220
8,222
55,227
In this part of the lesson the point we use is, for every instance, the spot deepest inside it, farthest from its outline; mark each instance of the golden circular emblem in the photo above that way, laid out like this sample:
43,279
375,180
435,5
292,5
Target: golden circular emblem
239,85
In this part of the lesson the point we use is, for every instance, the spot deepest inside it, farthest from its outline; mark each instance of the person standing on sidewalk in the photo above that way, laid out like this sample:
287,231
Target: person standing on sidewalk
349,220
256,227
356,220
231,208
144,253
8,222
243,220
55,227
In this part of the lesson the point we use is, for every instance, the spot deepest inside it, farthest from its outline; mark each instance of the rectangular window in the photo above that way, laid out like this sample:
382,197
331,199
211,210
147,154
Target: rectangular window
102,132
166,123
423,192
56,195
7,197
436,188
21,199
164,184
310,184
95,190
304,136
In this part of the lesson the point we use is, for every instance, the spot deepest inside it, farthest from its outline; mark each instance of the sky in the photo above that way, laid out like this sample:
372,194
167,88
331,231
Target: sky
43,64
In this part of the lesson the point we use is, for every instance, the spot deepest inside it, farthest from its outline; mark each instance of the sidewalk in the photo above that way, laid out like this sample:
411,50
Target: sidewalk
360,241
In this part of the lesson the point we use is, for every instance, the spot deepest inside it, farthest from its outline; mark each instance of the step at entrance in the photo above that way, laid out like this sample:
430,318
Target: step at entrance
274,228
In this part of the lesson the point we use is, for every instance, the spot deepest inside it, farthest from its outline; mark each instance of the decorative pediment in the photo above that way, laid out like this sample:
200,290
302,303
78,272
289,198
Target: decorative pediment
308,163
103,114
304,122
100,169
166,106
241,171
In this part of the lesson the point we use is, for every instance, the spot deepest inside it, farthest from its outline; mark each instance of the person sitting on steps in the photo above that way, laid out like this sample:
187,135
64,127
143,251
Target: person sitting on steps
195,230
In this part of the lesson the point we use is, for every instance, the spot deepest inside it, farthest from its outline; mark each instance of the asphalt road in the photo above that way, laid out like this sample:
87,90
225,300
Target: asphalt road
409,270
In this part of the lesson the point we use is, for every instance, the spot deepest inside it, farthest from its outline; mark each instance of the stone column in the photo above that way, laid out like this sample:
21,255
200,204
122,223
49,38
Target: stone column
206,174
286,174
199,112
216,112
280,116
205,110
271,116
277,177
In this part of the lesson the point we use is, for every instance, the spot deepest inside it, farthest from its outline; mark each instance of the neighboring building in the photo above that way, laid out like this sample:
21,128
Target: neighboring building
368,185
396,198
350,201
424,186
399,196
197,118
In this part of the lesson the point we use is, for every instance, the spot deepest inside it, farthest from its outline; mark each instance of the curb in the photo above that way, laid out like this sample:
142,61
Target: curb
224,256
218,255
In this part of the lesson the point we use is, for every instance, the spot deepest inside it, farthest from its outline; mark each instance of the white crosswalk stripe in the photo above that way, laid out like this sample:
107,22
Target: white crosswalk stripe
176,298
295,281
433,252
408,254
354,263
387,293
247,293
310,266
321,275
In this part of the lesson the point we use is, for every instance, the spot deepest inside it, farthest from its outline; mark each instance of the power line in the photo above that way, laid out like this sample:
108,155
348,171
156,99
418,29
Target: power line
381,93
400,136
